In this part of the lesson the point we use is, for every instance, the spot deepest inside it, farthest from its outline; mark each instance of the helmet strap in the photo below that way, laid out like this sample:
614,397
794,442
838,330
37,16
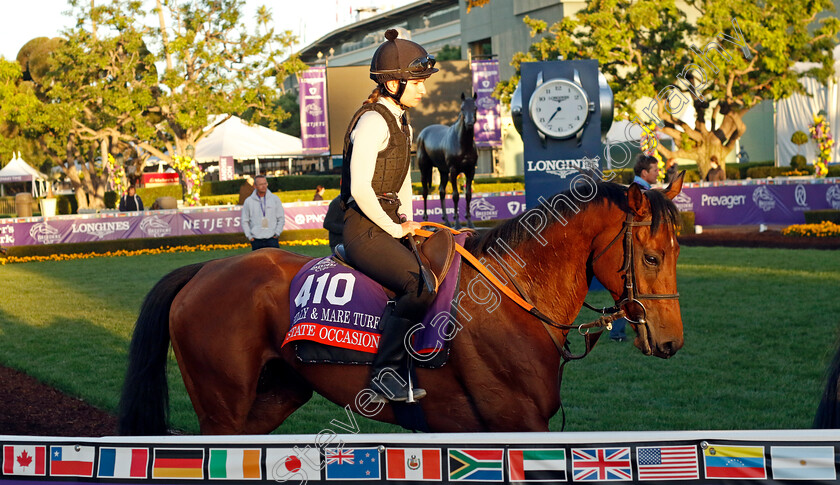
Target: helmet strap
395,96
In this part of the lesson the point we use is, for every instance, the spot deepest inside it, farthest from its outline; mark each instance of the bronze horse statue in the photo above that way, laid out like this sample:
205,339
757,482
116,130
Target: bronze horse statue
226,320
450,149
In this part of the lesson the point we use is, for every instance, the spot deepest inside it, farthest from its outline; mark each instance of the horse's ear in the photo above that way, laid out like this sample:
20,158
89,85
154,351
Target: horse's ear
475,95
463,96
636,200
675,187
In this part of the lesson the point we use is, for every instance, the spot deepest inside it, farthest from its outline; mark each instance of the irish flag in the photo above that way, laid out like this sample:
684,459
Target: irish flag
235,464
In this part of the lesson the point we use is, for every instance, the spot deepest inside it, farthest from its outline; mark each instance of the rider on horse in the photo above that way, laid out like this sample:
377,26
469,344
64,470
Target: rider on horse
374,186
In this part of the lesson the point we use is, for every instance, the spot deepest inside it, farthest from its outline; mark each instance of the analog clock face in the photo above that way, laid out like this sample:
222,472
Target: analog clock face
559,108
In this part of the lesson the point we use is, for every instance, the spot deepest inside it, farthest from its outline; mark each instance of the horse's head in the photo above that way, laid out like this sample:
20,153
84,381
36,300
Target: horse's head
468,110
637,263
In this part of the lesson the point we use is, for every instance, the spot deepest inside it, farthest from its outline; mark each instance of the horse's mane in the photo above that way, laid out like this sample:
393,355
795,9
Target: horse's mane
513,231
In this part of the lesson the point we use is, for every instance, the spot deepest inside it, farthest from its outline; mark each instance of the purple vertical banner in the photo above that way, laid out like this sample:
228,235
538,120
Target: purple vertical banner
313,110
488,126
225,168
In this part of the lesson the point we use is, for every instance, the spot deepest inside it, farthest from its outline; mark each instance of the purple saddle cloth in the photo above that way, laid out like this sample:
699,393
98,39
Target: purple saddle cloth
335,312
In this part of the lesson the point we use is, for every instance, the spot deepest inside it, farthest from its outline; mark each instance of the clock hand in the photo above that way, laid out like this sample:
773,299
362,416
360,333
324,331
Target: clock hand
555,114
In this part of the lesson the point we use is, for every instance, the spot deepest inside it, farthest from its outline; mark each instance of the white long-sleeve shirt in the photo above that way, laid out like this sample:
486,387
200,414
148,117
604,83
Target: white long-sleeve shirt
369,137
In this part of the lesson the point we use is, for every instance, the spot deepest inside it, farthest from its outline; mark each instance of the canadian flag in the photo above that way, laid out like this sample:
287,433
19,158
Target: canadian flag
24,460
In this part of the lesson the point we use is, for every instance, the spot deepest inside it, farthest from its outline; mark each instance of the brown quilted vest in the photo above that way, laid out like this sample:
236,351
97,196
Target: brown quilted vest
392,163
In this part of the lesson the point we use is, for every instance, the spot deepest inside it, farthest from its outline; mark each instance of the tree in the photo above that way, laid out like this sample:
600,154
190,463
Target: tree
722,65
214,67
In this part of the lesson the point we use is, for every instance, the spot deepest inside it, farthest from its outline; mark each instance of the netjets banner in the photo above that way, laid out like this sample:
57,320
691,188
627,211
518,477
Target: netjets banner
313,110
488,126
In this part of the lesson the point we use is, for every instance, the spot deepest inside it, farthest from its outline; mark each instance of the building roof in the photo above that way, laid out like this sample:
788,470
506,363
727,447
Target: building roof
377,23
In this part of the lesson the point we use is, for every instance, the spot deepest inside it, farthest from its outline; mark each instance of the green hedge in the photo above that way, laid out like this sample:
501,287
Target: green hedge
816,217
100,247
771,171
150,194
687,223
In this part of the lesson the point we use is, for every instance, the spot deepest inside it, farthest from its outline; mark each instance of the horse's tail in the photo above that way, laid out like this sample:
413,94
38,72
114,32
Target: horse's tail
828,413
144,404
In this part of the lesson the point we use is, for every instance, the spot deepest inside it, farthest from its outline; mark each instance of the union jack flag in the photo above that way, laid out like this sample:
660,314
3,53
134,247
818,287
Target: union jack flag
601,464
339,457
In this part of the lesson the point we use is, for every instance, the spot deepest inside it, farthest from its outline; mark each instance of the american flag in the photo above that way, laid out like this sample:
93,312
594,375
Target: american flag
339,457
667,463
601,464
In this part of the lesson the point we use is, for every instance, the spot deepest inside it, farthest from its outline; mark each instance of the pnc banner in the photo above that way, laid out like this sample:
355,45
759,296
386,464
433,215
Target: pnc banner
488,126
313,110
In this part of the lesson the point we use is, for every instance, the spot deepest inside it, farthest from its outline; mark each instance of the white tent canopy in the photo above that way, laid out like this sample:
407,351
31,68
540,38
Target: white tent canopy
797,112
235,138
17,171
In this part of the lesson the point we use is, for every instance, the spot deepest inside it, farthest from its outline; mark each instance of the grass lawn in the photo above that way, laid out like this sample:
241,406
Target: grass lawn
760,327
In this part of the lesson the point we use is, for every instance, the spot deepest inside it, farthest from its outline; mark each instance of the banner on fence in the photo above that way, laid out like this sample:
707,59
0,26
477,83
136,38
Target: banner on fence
214,220
758,203
688,457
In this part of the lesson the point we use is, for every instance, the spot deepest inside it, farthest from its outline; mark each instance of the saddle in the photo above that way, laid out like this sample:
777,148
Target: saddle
436,252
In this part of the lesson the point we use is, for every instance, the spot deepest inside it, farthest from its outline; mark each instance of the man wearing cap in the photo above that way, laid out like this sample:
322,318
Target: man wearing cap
376,190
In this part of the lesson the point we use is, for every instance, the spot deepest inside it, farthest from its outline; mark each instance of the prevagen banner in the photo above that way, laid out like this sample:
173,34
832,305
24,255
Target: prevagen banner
488,126
313,110
758,203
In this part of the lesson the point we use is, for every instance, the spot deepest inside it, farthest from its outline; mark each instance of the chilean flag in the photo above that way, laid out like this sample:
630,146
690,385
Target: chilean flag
71,461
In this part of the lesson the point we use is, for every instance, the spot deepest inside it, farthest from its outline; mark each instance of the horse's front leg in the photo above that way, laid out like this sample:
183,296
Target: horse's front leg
453,178
468,215
443,182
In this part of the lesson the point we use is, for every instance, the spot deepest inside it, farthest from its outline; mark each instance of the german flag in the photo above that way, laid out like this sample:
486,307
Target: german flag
178,463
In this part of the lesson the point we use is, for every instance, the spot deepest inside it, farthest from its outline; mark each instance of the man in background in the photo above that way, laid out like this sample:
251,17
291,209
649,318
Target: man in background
646,170
262,216
131,201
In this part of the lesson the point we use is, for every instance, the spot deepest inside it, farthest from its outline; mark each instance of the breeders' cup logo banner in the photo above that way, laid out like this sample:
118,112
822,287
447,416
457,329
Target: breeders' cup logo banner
488,126
313,110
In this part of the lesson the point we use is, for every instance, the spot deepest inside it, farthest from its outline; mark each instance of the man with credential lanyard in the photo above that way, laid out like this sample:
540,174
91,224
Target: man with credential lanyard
262,216
376,190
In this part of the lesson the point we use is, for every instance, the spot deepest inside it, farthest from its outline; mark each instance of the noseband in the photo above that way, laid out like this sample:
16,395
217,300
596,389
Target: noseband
631,294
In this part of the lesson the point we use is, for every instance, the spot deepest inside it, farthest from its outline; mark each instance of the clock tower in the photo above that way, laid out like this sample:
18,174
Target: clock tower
567,107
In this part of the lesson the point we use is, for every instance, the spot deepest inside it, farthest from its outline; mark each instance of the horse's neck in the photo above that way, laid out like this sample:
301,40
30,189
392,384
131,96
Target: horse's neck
556,274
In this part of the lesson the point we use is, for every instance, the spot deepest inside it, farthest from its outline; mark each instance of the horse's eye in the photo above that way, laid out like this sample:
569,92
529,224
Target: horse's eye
651,260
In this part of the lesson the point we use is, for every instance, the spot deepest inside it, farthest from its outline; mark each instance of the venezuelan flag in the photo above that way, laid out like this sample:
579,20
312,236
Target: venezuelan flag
725,461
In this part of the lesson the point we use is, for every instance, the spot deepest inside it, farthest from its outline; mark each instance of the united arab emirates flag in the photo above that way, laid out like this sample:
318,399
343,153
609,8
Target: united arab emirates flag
537,465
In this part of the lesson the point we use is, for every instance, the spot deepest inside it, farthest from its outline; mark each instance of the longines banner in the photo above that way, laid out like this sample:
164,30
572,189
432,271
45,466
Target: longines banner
30,231
488,125
721,457
313,110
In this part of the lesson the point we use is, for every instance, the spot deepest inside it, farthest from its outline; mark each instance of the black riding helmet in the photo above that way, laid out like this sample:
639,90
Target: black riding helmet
401,60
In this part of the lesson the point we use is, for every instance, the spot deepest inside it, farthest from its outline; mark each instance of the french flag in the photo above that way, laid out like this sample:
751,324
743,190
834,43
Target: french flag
71,461
123,463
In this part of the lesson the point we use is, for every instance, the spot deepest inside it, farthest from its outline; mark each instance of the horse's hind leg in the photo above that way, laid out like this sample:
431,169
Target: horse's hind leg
453,178
443,181
280,392
468,215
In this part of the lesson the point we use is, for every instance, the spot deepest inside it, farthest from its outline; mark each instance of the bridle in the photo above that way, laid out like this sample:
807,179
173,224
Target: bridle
631,294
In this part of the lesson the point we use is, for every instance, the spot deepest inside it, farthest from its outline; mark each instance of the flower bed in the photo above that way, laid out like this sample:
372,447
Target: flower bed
823,229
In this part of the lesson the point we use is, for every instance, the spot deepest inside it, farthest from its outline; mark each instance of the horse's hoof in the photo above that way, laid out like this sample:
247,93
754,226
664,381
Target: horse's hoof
458,225
470,224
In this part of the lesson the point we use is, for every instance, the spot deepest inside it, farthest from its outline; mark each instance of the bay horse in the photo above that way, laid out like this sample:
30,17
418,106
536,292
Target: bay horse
227,318
450,149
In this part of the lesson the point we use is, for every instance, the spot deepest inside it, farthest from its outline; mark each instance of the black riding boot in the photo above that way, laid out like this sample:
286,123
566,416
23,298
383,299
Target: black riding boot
388,378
